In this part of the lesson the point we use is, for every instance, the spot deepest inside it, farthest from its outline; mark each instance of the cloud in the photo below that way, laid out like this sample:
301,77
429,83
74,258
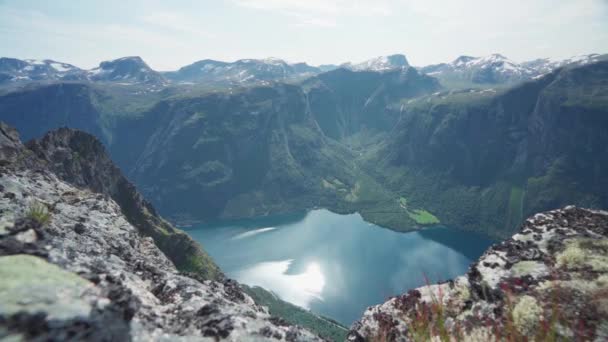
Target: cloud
90,40
178,22
320,13
305,21
327,7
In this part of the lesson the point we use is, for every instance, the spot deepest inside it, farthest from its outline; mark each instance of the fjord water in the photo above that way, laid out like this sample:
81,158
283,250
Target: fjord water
336,265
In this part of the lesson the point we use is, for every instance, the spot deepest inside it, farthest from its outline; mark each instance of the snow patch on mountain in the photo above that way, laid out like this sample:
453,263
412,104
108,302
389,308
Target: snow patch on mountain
381,63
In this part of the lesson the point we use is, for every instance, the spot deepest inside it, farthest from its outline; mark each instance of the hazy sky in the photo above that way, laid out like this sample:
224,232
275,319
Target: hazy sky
170,34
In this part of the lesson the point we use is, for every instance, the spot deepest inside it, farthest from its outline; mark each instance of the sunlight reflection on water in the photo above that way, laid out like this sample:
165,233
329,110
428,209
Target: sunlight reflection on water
299,289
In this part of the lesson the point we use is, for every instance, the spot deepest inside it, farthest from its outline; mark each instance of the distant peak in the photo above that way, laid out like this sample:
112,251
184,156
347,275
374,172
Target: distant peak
464,59
498,55
130,58
272,59
268,60
398,59
381,63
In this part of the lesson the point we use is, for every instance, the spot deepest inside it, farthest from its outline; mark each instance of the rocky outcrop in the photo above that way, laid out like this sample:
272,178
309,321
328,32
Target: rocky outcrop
73,267
548,282
80,159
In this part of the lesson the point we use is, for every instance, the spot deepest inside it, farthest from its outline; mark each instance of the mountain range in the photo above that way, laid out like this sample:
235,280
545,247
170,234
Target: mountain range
348,140
464,71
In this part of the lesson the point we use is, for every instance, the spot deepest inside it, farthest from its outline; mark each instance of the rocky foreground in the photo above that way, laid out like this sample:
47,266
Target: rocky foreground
549,282
80,264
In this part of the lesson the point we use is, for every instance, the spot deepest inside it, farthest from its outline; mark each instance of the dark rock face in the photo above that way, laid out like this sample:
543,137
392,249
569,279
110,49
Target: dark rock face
78,268
546,279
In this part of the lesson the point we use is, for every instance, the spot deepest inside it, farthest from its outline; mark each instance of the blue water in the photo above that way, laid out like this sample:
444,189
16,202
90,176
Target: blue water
336,265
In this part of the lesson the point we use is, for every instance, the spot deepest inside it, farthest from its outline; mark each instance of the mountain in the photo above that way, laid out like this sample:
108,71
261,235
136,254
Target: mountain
496,69
254,151
15,70
347,141
543,283
244,71
492,69
382,63
128,70
82,256
546,65
486,158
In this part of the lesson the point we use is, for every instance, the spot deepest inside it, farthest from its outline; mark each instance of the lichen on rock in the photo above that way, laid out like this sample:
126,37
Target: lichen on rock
526,315
31,284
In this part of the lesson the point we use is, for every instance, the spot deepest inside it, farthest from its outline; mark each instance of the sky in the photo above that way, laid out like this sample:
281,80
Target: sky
171,34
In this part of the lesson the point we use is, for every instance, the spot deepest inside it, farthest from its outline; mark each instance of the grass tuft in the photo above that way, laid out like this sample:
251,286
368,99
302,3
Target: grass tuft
39,212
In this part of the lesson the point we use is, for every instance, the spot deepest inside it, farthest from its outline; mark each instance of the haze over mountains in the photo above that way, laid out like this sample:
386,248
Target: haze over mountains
464,70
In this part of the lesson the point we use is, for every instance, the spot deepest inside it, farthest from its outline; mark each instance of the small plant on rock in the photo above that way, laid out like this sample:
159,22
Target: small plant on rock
39,212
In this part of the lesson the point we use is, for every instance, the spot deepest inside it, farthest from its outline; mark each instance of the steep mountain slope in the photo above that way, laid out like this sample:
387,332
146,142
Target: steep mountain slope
245,154
546,283
36,110
344,102
484,160
75,268
266,149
